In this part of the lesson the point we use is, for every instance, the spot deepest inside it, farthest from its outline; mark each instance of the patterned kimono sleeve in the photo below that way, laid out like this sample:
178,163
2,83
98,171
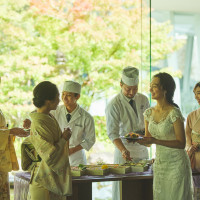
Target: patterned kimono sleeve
176,114
4,136
4,133
147,114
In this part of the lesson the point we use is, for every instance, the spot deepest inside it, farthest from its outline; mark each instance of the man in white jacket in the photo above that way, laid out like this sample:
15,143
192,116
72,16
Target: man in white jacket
70,114
124,114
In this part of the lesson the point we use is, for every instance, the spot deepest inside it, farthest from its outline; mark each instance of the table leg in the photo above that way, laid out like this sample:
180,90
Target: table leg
81,191
137,189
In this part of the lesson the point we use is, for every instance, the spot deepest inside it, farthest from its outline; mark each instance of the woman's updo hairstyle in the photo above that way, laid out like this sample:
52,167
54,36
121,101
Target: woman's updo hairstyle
168,84
44,91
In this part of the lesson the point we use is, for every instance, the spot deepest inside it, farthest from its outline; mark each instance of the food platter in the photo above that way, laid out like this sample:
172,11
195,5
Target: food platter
131,139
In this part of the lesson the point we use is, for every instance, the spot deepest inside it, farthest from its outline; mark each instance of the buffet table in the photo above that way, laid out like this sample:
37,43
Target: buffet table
135,185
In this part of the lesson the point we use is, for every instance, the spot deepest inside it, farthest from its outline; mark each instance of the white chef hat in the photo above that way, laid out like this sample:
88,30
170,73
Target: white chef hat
72,86
130,76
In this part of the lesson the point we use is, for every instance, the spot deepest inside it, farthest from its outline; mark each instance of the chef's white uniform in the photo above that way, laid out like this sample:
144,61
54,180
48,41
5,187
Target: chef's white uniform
121,119
83,131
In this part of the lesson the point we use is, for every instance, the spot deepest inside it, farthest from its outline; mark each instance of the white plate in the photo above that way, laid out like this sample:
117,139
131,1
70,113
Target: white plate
130,138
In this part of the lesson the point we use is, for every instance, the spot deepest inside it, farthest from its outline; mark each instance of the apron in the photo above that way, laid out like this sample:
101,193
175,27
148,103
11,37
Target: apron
78,158
137,152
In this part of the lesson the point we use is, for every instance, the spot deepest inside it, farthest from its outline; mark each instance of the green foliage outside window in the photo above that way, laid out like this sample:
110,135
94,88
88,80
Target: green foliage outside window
94,39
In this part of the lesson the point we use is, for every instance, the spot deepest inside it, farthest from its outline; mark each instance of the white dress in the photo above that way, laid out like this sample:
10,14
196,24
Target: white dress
172,172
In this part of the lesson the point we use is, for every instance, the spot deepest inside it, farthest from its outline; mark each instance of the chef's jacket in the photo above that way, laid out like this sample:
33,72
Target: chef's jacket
83,131
121,119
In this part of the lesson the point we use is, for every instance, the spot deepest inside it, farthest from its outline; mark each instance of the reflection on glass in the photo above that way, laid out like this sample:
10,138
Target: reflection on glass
180,57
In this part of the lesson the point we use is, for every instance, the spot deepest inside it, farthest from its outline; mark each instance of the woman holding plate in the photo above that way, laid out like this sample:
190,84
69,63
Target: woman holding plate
164,127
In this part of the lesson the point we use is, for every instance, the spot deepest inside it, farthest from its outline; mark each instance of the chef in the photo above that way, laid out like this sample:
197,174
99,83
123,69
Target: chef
70,114
124,114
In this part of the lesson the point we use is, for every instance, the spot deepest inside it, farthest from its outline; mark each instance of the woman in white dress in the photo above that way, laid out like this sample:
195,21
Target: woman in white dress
164,127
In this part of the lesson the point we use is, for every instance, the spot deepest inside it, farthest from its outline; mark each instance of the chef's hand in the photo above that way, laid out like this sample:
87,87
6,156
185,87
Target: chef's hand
19,132
67,133
27,123
72,150
146,141
126,155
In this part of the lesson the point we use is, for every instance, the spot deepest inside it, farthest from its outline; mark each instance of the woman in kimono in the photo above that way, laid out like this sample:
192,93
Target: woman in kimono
193,140
50,177
8,159
164,127
70,114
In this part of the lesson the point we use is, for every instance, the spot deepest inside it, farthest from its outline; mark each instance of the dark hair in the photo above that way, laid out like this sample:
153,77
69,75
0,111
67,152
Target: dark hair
44,91
197,85
168,84
76,94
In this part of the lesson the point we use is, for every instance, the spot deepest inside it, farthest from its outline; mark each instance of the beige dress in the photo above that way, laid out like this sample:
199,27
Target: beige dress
8,159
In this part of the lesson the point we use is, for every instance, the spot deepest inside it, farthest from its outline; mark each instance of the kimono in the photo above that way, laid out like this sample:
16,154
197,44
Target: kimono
8,158
52,172
193,137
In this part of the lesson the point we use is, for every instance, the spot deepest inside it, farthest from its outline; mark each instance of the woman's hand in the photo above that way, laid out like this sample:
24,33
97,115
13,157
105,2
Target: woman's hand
146,141
67,133
193,148
27,123
19,132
